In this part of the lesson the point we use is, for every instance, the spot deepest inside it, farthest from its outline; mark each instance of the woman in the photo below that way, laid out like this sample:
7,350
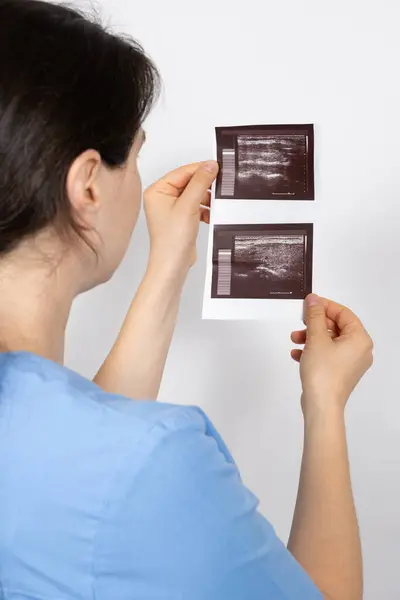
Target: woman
102,496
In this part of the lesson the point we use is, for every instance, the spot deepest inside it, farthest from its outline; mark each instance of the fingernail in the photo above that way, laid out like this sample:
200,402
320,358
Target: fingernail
312,300
211,166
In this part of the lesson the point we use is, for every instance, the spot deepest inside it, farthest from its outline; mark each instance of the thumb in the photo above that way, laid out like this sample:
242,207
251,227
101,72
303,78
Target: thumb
197,187
315,318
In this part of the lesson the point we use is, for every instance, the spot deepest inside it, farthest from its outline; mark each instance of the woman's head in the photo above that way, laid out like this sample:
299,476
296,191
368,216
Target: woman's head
73,98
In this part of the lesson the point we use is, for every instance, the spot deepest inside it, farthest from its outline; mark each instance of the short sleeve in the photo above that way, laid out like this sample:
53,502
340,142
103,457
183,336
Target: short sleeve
181,525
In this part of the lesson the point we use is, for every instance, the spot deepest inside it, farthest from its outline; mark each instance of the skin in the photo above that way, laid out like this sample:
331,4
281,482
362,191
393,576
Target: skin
324,536
42,277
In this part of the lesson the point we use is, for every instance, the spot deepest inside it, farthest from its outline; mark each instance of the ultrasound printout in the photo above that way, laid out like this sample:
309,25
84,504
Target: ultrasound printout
262,261
261,243
266,162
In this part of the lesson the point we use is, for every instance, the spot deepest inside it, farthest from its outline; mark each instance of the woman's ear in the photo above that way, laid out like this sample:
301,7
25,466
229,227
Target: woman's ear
83,187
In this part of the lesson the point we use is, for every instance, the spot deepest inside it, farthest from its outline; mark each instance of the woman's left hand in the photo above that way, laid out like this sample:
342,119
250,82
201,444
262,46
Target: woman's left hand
174,206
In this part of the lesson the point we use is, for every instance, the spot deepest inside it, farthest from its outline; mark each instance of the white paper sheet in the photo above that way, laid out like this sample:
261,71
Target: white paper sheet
262,212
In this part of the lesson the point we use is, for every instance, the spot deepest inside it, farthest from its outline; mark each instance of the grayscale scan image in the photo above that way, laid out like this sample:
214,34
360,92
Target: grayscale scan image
262,261
266,162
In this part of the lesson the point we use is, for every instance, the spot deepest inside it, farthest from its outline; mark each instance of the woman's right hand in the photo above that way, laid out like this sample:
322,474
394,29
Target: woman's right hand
337,353
175,206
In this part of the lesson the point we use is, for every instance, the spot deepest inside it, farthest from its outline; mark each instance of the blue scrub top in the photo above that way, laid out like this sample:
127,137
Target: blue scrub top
105,498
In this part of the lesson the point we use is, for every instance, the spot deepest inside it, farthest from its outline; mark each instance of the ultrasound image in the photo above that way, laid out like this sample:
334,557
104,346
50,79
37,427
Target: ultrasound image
266,162
269,257
262,261
276,162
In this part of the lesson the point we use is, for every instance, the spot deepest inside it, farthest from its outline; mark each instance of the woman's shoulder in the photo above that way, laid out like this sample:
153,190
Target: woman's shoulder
37,386
40,399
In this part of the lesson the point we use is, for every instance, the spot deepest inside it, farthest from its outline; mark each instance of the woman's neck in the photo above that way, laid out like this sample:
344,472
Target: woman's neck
35,302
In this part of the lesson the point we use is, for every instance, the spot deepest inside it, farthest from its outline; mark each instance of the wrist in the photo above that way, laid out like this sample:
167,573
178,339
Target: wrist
157,299
167,273
168,269
330,411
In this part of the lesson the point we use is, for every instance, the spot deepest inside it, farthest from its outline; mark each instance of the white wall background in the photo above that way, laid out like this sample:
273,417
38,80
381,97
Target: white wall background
335,64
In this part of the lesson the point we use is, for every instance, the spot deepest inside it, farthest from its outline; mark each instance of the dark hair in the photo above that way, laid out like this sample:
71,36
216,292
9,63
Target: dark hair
66,85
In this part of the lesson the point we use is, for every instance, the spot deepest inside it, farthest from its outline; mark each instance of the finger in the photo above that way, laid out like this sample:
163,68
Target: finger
198,186
333,334
205,216
207,199
344,319
205,208
296,354
330,325
300,337
175,181
315,319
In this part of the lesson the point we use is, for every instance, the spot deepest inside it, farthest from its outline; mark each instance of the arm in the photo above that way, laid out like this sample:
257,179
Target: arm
325,537
135,365
174,206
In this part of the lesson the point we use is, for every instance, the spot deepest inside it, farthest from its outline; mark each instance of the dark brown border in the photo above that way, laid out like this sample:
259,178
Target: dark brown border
307,229
227,137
